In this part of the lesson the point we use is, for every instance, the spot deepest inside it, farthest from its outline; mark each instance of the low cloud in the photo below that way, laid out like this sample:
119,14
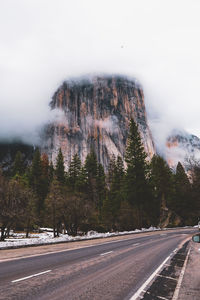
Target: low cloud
110,124
45,42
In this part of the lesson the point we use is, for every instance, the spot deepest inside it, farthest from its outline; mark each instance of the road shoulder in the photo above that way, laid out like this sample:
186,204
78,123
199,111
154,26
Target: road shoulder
190,288
10,254
165,283
168,286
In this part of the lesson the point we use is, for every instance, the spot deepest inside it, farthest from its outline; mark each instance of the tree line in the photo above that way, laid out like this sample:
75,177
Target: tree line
84,198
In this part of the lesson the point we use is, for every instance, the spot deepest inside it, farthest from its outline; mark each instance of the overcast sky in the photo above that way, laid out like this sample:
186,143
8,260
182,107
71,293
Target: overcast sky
43,42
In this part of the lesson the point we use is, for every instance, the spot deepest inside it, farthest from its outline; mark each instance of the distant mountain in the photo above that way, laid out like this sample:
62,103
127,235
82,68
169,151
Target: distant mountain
182,146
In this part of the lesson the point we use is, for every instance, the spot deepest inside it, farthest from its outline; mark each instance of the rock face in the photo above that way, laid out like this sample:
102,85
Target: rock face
96,114
182,146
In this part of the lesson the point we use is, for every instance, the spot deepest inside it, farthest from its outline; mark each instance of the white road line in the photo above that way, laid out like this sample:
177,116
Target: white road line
136,244
162,298
163,234
137,294
176,293
34,275
166,277
105,253
180,259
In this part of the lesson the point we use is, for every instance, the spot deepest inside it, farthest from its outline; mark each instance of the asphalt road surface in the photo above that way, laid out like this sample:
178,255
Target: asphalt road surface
112,269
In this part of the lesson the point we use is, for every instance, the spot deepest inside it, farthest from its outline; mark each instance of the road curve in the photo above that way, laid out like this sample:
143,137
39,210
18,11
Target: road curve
113,269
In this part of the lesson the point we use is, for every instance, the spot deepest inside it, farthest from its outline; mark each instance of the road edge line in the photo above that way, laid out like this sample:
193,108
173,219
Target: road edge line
151,277
178,286
30,276
105,253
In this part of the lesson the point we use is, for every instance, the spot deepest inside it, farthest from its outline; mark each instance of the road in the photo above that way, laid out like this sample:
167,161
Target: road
108,269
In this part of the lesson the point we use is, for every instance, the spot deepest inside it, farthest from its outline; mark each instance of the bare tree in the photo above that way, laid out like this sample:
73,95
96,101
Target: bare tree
54,205
13,203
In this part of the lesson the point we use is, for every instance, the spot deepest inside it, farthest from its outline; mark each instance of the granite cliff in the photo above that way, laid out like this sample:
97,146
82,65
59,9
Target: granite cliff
182,146
96,114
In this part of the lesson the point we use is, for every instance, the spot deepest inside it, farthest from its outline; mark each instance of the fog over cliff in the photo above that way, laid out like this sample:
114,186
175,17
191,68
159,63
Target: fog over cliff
46,42
96,115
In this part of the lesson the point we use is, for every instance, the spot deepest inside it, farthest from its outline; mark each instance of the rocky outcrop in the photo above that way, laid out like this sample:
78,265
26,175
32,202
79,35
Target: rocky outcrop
182,146
169,218
96,114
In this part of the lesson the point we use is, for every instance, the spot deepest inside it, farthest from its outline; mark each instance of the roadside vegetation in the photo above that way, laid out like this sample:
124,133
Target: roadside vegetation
84,198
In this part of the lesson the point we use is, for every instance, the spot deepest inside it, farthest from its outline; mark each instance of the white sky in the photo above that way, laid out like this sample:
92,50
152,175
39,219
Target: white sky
43,42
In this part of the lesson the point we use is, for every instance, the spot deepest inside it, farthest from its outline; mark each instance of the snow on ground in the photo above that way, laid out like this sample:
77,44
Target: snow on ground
19,239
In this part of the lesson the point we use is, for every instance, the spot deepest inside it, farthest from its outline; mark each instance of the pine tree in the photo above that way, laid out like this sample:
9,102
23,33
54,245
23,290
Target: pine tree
36,169
45,175
117,187
195,195
91,171
120,167
60,169
107,214
183,191
35,175
54,206
5,209
111,169
101,187
136,185
51,172
18,167
91,164
36,183
82,181
114,194
127,219
162,184
74,172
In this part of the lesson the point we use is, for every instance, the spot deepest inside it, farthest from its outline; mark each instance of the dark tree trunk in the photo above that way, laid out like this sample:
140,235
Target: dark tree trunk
2,233
27,228
64,229
54,222
57,231
8,232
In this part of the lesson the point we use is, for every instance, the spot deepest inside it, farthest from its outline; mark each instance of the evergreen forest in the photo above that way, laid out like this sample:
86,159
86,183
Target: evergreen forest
138,195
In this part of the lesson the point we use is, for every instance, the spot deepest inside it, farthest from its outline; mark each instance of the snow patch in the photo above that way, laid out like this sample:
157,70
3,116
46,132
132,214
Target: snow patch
19,239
